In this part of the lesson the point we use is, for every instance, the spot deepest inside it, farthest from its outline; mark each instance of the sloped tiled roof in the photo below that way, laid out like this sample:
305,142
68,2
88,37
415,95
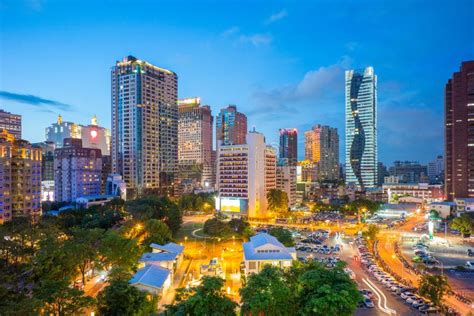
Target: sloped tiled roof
151,275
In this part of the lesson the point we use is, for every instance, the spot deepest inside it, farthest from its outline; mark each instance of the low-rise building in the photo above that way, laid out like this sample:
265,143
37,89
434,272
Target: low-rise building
426,192
443,208
464,205
263,249
152,279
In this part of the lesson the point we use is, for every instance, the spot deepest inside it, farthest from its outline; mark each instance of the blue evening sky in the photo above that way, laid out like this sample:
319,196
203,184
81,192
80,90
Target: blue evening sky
282,63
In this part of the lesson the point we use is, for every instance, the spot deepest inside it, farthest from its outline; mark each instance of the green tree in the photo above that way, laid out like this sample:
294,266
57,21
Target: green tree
207,299
119,251
434,287
156,232
268,293
217,228
120,298
327,292
277,201
58,298
283,235
464,224
371,232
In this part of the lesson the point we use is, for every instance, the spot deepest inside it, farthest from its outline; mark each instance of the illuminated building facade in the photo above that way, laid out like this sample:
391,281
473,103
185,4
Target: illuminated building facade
61,130
361,128
322,152
245,174
11,123
20,175
231,126
77,171
144,124
195,143
459,133
94,136
286,182
289,145
47,170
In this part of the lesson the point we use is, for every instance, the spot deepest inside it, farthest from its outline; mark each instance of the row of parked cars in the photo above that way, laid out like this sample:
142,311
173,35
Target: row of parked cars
422,254
406,293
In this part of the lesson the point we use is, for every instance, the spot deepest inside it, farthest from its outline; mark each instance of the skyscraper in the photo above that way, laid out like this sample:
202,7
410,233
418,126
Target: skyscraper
459,132
231,126
20,178
144,124
195,142
436,170
322,151
361,128
289,145
77,171
11,123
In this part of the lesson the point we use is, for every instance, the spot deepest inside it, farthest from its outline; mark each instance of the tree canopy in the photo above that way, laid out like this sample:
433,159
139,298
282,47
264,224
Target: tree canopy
434,287
283,235
464,224
278,201
207,299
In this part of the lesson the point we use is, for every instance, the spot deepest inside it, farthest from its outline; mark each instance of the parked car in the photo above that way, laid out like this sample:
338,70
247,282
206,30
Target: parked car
470,253
368,303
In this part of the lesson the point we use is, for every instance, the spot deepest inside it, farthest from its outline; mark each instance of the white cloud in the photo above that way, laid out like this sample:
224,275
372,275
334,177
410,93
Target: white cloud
231,31
276,17
257,39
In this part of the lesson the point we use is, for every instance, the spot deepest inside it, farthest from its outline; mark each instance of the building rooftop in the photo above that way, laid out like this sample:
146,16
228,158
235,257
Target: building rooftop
151,275
443,203
266,247
169,247
158,256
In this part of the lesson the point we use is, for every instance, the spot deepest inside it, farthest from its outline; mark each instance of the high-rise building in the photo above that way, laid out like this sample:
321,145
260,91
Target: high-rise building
322,151
381,173
436,170
245,174
95,136
459,132
77,171
11,123
20,178
47,170
289,145
61,130
195,143
144,124
92,135
409,171
231,126
286,182
361,128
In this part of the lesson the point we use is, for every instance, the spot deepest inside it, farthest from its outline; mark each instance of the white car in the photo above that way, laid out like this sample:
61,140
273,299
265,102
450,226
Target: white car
405,295
411,299
469,265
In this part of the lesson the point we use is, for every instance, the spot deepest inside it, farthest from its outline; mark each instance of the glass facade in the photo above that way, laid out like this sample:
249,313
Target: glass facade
361,128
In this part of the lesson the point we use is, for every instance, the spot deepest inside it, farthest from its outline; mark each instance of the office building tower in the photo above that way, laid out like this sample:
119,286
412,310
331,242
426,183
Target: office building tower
409,171
459,133
144,125
231,126
436,170
20,178
11,123
361,128
61,130
95,136
245,174
92,135
322,151
289,145
77,171
195,143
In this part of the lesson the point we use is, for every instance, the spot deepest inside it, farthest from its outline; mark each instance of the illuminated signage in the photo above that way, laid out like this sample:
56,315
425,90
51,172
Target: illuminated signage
93,134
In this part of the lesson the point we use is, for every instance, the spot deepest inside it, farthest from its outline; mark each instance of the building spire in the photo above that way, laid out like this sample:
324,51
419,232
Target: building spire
94,120
60,119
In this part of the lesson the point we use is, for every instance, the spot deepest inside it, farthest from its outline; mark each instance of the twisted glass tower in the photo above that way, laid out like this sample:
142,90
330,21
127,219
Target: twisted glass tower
361,128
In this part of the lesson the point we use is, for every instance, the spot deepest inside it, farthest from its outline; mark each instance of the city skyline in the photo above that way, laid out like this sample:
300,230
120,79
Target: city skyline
276,75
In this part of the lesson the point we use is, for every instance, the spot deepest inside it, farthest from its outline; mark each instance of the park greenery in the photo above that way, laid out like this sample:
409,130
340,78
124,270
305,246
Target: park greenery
361,206
201,202
236,227
304,289
47,264
208,298
371,233
464,224
283,235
